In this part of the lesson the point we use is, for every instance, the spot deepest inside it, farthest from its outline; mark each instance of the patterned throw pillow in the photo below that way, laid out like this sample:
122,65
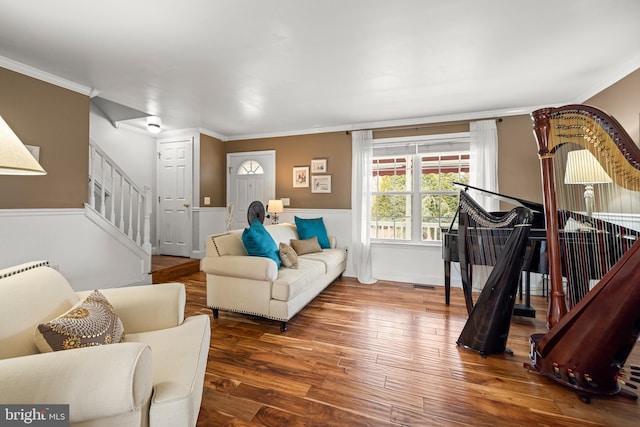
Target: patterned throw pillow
288,256
306,246
90,322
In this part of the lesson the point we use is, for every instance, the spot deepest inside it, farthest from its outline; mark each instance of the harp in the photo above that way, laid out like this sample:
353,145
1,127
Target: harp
490,240
593,331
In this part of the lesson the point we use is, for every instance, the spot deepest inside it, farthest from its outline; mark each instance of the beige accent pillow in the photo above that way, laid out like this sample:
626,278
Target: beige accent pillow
288,256
90,322
306,246
228,244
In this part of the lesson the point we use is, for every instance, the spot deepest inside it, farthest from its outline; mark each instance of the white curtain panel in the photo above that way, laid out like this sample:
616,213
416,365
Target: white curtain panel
362,155
483,161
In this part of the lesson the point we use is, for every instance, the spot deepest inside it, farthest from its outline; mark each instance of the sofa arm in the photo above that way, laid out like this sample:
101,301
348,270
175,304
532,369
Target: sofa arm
147,308
246,267
96,382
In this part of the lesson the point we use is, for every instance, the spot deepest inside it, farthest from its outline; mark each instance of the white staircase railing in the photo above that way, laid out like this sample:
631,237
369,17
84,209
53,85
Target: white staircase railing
118,199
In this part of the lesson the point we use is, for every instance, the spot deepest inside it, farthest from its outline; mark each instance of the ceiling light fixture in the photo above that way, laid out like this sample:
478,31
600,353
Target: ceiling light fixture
154,124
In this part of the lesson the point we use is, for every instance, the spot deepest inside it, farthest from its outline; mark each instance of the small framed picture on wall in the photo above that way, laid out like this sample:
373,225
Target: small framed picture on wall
321,184
319,166
300,176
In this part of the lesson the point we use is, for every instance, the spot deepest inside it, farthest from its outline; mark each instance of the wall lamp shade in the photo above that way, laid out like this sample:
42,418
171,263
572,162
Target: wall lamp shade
154,124
275,207
15,159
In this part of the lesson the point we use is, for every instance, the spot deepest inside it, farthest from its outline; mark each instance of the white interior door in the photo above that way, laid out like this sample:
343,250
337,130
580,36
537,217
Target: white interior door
174,195
250,176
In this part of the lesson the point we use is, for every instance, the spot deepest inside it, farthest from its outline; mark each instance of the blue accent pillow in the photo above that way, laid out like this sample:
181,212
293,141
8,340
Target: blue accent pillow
258,242
314,227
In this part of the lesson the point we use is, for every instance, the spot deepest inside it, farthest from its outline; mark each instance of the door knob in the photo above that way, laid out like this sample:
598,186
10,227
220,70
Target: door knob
186,205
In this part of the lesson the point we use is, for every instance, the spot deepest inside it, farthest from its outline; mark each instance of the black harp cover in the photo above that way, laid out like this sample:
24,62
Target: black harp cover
487,328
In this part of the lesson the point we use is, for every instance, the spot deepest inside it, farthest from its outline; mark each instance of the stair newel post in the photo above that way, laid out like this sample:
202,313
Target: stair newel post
130,232
112,214
138,216
102,185
146,244
92,182
121,203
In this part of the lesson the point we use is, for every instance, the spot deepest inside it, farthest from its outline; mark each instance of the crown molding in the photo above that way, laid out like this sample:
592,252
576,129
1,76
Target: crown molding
479,115
30,71
213,134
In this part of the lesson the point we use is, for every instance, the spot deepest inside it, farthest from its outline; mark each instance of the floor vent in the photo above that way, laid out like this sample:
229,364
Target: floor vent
418,286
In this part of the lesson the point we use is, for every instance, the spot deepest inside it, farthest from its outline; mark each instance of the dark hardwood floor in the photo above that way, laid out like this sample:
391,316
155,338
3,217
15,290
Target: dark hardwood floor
381,355
165,268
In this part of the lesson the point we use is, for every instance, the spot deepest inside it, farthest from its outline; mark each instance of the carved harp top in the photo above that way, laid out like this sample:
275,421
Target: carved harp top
594,130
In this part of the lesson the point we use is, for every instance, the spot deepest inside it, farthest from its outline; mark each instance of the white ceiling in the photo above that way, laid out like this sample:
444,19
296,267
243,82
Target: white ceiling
246,68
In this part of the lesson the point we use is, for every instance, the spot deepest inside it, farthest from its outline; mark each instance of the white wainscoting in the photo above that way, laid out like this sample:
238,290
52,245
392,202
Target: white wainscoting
420,264
206,222
87,255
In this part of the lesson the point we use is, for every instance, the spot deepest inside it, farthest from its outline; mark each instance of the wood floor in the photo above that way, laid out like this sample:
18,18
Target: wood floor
381,355
166,268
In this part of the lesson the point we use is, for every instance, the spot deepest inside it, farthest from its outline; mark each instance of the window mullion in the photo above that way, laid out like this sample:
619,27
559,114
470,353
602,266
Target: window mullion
416,211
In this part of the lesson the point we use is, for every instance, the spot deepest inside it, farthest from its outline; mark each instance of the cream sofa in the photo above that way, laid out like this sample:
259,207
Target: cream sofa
254,285
154,378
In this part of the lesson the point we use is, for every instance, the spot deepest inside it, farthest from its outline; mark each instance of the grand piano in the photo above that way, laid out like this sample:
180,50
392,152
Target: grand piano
535,259
578,231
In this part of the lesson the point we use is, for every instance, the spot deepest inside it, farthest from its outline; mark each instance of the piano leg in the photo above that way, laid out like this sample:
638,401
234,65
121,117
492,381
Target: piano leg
447,282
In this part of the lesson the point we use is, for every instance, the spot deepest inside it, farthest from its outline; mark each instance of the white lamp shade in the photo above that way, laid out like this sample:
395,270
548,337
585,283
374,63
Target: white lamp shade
15,159
583,168
275,206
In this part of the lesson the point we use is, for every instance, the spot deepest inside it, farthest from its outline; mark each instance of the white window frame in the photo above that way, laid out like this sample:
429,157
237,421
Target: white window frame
418,146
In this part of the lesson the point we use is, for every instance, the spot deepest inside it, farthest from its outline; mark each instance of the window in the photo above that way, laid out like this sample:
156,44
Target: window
413,196
250,167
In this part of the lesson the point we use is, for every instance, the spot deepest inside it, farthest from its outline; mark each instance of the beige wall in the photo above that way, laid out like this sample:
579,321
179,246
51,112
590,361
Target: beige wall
298,151
57,121
518,164
622,101
213,161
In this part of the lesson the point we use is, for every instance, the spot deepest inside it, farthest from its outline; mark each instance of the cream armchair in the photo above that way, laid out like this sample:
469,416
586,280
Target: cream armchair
154,378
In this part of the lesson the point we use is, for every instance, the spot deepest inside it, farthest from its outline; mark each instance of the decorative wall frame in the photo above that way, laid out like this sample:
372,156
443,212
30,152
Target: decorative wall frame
321,184
300,176
319,166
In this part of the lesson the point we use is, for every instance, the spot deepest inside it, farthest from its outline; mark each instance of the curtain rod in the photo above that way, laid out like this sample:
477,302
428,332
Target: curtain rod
425,125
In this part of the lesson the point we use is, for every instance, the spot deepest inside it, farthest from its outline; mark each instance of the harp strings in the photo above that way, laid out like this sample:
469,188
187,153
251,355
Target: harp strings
484,240
597,186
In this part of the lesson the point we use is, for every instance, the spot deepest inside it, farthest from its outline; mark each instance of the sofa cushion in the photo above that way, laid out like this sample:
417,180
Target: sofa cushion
90,322
258,242
329,257
288,256
306,246
313,227
30,294
228,244
293,282
282,233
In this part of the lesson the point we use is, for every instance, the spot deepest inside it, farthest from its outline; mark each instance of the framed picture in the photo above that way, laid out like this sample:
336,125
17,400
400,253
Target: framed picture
319,166
321,184
300,176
